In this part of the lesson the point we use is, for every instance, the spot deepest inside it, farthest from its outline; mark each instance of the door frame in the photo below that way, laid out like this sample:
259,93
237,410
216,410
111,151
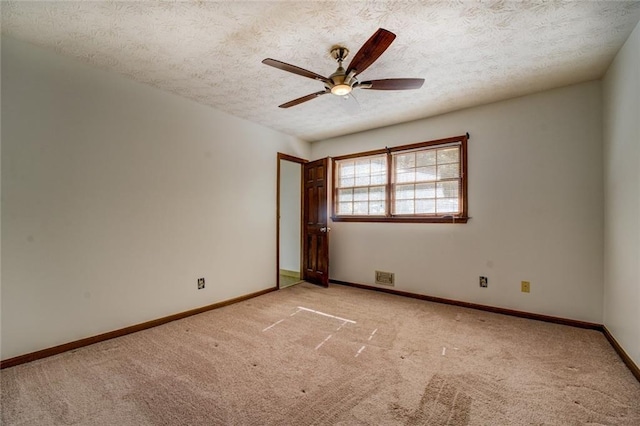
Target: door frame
301,161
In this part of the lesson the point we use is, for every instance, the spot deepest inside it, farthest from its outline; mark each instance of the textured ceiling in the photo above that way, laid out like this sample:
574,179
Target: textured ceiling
468,52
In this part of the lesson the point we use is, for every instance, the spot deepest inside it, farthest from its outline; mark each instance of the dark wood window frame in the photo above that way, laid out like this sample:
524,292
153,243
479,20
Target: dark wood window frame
388,217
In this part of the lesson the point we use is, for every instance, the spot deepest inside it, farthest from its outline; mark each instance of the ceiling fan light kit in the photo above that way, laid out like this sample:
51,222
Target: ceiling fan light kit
342,82
341,89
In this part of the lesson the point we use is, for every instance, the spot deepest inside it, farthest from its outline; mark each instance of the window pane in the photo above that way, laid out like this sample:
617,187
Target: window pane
425,206
426,173
347,169
379,178
377,193
448,189
363,167
361,194
345,208
447,205
361,207
378,164
406,161
363,172
448,171
376,207
362,180
404,192
345,182
425,158
345,195
449,155
378,171
426,190
406,177
404,206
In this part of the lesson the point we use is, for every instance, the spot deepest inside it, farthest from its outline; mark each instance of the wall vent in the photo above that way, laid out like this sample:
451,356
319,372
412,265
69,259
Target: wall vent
384,278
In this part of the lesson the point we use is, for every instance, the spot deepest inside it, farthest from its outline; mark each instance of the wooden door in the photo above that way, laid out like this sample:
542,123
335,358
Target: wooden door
315,250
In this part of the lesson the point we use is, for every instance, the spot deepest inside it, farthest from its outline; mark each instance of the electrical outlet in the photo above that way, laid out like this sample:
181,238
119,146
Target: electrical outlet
525,286
484,282
200,283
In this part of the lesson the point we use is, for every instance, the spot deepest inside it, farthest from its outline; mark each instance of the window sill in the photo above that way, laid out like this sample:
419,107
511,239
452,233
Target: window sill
400,219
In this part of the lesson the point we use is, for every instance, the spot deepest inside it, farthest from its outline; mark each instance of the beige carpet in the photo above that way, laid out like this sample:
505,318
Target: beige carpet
339,356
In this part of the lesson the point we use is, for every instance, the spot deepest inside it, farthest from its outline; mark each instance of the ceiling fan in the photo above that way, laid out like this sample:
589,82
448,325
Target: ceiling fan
342,82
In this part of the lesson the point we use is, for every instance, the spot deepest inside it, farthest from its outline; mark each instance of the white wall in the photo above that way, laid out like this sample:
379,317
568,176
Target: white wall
622,197
0,212
290,206
535,198
116,197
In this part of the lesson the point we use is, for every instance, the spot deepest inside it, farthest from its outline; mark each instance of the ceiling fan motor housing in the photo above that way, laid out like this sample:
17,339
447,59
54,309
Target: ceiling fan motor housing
342,83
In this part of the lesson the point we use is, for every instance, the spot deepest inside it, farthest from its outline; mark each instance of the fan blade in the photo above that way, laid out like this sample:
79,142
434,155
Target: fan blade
371,50
304,99
296,70
393,84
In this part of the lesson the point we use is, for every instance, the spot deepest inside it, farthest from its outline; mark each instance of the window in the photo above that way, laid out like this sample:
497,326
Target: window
423,182
362,186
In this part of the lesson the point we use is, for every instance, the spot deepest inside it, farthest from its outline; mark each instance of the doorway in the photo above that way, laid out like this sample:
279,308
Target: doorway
289,215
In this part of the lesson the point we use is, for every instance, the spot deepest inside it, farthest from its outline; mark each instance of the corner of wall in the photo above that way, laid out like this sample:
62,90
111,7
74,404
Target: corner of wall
621,158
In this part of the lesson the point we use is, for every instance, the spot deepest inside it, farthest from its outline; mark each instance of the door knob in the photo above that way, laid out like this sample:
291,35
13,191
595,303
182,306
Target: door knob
325,229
